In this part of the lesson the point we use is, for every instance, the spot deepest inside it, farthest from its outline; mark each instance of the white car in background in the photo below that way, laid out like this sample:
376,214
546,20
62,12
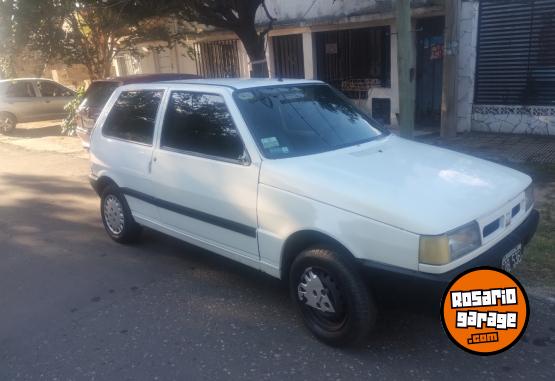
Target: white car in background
290,178
30,100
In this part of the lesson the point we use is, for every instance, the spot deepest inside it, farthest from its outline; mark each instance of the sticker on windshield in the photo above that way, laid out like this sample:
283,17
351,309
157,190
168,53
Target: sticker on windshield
270,142
279,150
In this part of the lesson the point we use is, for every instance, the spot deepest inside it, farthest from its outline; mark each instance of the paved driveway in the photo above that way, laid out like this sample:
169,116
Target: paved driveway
75,305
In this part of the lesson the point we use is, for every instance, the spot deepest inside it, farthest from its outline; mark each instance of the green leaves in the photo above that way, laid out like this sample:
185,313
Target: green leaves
69,124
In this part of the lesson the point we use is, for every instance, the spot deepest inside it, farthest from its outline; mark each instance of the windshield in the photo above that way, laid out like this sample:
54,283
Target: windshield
295,120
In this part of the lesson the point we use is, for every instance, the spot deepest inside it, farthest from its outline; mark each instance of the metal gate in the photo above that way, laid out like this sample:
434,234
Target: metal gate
360,56
288,56
217,59
516,53
429,72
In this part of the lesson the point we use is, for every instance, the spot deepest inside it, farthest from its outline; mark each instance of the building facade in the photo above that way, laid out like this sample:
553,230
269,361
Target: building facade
505,63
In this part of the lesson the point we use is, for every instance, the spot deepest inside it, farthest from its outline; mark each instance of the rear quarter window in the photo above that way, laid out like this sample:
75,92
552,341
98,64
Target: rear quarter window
20,89
133,116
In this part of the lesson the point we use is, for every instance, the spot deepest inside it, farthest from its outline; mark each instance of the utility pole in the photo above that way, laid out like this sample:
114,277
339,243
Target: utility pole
405,63
449,93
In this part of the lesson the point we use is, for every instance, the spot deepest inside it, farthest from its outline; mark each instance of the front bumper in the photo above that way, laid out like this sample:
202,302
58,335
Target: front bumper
391,275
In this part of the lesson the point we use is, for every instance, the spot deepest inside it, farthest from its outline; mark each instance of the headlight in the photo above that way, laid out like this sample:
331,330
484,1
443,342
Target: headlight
442,249
529,196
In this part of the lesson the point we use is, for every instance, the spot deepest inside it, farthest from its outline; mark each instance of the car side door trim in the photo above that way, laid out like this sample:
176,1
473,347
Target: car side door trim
192,213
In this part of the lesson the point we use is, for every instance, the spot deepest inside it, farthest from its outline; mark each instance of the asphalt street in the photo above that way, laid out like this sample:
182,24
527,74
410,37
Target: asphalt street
76,306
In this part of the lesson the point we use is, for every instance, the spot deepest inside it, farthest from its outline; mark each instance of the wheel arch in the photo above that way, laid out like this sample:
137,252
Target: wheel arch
303,239
10,114
101,183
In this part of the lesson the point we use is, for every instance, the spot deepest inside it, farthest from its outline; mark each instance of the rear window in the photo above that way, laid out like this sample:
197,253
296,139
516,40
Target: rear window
133,116
98,93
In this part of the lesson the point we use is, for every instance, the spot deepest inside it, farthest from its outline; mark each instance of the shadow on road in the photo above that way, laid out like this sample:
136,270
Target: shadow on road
65,283
25,132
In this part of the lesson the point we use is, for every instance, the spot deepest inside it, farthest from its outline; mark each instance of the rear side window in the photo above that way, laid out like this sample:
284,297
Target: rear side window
51,89
201,123
133,116
20,89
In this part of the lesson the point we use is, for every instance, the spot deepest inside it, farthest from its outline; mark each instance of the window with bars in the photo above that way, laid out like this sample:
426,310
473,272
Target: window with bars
516,53
217,59
354,60
288,56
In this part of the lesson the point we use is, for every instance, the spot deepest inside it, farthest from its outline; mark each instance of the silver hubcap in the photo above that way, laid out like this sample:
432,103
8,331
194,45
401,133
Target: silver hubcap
113,214
312,291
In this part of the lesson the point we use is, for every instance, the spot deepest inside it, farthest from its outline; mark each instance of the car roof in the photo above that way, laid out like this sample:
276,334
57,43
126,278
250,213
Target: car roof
241,83
146,78
26,79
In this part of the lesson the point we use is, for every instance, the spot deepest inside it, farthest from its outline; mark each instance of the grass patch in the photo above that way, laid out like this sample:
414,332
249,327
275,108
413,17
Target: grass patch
538,266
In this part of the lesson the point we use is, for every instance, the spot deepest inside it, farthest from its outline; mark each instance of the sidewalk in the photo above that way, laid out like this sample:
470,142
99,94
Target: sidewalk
500,147
45,136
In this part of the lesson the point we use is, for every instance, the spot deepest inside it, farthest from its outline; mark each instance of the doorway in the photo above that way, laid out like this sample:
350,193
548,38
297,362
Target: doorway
429,73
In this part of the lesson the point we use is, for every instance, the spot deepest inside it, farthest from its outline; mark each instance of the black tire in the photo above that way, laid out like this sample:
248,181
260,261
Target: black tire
354,309
7,123
129,231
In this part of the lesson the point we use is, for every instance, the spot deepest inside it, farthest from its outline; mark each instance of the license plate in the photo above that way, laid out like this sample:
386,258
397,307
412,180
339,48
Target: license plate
512,259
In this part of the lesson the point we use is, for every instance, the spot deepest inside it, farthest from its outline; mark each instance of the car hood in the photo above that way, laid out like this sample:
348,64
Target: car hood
412,186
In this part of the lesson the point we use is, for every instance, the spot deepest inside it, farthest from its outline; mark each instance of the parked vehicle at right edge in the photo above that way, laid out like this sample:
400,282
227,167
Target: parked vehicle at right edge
290,178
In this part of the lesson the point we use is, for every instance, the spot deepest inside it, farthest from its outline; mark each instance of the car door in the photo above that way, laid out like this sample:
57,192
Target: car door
206,182
54,97
125,145
21,100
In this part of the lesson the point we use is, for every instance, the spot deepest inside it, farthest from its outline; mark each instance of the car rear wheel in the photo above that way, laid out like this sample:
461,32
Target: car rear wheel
331,296
117,218
7,123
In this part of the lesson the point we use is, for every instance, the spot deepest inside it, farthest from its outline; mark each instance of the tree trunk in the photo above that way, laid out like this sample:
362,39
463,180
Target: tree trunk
107,69
93,75
259,65
256,50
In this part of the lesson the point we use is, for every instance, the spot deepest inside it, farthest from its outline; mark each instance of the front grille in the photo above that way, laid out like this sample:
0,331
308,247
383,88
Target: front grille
515,210
490,228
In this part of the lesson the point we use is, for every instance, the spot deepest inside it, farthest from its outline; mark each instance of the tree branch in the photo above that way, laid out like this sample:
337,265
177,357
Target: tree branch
270,17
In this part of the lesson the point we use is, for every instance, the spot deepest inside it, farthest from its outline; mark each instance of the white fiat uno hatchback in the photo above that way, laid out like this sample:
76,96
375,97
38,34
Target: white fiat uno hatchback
290,178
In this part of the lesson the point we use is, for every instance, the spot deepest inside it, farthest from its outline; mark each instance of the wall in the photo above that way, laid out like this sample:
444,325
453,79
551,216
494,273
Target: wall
174,60
71,76
310,12
538,120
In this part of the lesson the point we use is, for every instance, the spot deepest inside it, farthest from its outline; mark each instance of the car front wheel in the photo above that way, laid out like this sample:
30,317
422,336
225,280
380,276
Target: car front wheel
116,216
331,296
7,123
